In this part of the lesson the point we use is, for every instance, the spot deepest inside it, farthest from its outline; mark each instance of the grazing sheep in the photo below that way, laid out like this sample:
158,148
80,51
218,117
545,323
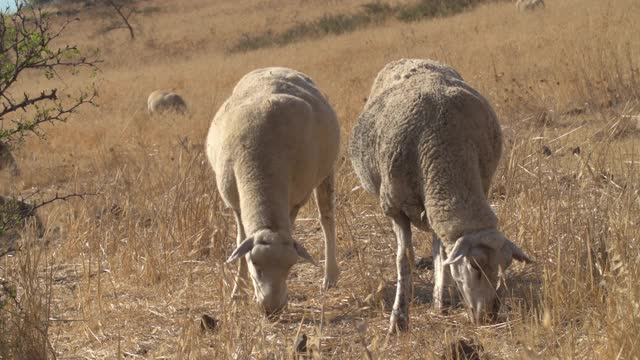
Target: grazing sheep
161,101
7,160
528,5
427,145
273,142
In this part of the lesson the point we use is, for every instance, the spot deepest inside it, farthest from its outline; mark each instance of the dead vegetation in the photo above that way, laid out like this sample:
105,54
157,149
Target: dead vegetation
131,273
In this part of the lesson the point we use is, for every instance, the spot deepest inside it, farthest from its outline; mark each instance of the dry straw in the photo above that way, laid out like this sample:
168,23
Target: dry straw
129,273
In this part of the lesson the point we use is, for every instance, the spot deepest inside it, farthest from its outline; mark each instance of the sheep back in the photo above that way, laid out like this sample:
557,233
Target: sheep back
276,129
528,5
426,142
161,101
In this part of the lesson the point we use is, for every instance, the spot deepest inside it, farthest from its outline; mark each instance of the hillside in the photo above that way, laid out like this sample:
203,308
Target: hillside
129,272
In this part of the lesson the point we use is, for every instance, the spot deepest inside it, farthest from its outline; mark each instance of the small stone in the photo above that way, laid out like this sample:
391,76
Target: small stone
147,222
361,326
576,150
143,348
208,323
424,263
115,210
301,344
463,349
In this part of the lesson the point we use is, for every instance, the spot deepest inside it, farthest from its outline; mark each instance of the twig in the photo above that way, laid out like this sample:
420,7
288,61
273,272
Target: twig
63,198
125,18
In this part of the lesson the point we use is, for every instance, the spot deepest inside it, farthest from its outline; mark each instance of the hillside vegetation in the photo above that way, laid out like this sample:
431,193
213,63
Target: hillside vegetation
129,272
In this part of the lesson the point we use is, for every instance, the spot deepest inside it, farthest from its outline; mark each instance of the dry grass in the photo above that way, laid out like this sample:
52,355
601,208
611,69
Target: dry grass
128,273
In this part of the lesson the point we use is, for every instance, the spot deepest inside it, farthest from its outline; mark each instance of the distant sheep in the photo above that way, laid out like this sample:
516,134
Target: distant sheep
528,5
7,161
273,142
161,101
427,145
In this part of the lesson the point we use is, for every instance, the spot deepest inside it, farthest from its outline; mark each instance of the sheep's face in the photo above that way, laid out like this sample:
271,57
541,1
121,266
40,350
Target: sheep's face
269,265
477,262
477,276
270,256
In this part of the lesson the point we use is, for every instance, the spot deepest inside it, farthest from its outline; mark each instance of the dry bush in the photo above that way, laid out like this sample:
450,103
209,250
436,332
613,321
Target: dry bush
129,273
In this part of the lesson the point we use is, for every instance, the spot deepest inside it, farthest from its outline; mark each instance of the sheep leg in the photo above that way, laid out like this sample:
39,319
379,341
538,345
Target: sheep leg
242,276
400,313
325,200
444,293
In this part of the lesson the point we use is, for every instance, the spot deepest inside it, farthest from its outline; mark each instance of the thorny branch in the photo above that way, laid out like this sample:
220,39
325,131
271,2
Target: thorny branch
125,18
27,41
14,211
59,113
57,197
26,102
26,37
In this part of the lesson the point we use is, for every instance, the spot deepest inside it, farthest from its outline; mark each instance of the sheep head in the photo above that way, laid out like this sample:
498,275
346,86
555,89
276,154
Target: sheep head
270,256
476,261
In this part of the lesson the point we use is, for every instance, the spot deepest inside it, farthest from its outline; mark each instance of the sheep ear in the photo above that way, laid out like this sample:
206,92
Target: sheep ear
460,250
519,254
242,250
303,253
516,253
492,239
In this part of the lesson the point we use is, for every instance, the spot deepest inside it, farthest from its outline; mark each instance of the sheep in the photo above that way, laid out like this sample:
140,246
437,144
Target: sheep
273,142
427,145
161,101
7,161
528,5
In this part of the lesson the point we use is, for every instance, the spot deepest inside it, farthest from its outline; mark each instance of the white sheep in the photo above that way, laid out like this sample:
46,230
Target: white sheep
7,161
528,5
427,145
273,142
161,101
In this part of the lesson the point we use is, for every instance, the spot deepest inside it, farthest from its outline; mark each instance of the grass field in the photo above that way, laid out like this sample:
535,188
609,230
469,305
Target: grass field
129,272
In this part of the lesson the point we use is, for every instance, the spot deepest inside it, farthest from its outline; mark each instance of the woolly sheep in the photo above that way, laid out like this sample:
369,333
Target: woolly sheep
427,145
527,5
161,101
273,142
7,161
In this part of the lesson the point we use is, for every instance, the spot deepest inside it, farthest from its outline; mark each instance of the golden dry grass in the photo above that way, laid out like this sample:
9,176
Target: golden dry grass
128,273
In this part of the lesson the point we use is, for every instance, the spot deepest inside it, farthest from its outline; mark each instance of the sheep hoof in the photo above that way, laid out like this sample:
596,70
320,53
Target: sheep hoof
330,281
399,322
